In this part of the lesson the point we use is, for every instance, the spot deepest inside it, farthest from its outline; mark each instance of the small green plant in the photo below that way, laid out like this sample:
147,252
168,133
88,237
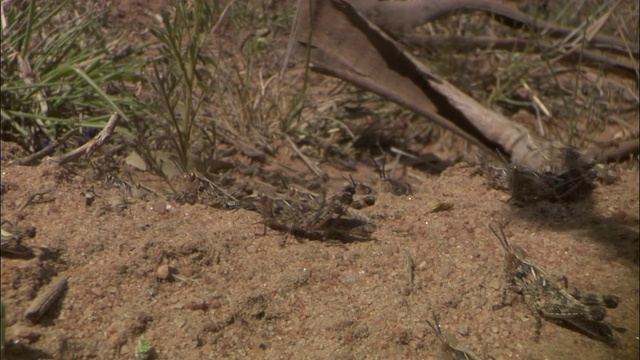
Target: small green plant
144,349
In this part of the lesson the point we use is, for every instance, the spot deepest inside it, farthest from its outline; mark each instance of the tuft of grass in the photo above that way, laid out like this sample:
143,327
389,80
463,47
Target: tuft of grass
215,85
183,80
59,72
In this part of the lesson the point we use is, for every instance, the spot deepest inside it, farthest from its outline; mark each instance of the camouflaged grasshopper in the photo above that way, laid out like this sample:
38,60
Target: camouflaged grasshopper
584,312
451,347
319,218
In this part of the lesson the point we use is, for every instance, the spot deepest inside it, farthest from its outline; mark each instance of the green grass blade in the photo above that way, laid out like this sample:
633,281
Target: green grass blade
97,88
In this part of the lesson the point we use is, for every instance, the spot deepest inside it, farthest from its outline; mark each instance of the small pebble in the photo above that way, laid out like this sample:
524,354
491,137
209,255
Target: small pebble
164,272
405,291
348,278
97,292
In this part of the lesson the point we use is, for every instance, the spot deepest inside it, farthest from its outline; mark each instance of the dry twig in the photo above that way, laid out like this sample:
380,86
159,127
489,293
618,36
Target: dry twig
95,143
49,149
43,302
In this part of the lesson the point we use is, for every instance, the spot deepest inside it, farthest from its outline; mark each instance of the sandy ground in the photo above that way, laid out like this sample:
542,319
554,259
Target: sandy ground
246,292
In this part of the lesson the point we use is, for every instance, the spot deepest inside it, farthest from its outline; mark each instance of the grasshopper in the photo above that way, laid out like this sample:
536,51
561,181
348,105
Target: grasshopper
319,218
547,299
451,347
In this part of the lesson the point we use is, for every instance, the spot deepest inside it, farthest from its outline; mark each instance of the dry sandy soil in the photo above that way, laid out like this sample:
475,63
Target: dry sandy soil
249,293
243,291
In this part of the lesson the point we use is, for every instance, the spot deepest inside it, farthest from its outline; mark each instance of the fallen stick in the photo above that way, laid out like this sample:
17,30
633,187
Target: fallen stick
48,297
93,144
400,16
470,43
49,149
622,151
